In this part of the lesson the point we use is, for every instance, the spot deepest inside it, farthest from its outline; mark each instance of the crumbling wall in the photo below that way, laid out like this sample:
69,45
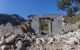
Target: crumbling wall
56,23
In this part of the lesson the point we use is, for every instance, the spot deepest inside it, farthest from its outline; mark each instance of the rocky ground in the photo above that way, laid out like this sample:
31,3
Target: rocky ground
15,38
68,41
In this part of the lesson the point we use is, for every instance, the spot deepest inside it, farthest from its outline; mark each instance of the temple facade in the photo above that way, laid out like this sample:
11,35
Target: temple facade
49,24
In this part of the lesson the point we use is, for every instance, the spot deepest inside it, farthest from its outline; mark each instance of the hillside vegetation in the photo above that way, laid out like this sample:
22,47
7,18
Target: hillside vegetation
72,19
14,19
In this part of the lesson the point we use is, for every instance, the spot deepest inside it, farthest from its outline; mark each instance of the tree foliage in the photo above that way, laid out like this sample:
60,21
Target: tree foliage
70,6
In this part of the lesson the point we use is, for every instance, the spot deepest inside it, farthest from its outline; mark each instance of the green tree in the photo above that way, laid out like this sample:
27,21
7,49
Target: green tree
70,6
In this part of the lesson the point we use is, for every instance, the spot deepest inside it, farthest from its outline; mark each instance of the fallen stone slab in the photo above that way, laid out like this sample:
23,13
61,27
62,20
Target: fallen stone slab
10,38
18,45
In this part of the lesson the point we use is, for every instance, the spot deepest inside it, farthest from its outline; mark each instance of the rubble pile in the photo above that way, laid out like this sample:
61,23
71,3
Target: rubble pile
68,41
14,38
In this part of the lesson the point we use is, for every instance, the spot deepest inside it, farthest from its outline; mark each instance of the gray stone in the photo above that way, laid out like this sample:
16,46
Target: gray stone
19,45
10,38
8,29
54,23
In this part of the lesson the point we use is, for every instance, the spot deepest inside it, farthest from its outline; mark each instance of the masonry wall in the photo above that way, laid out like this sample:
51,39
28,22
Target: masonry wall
56,23
35,24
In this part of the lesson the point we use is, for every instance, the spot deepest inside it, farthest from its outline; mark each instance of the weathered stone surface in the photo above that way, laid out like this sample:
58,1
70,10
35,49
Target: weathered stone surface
19,45
3,47
10,38
8,29
54,22
18,30
22,37
69,41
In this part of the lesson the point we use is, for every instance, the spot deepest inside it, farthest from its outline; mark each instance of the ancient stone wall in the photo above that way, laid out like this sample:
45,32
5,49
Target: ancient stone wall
56,23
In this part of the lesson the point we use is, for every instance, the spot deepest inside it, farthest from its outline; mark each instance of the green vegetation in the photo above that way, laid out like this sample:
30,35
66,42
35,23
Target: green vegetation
44,26
72,19
14,19
70,6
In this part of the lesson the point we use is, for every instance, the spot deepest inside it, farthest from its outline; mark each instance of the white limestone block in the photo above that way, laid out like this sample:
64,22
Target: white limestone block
50,40
42,39
37,41
19,45
3,47
10,38
66,47
71,40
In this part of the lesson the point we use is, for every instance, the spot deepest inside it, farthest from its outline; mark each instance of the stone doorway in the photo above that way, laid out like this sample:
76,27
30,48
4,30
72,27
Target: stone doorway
45,26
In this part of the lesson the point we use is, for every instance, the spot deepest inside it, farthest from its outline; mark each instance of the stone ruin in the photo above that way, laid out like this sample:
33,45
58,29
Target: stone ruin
49,24
39,33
